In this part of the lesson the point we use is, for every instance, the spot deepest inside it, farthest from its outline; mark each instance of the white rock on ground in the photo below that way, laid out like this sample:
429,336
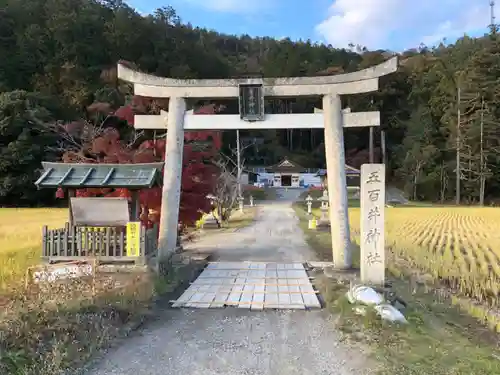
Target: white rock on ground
234,341
368,296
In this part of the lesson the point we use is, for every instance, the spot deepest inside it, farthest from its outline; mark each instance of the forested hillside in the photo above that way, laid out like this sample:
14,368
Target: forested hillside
58,58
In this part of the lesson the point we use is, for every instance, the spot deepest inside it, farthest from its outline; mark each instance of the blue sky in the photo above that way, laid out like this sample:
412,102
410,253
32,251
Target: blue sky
388,24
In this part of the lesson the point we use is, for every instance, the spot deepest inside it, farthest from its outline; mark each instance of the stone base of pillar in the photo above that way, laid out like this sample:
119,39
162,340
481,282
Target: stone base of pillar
323,225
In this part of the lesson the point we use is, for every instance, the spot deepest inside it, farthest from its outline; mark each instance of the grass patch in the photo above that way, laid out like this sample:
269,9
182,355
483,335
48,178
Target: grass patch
320,241
46,331
258,194
440,338
237,221
316,193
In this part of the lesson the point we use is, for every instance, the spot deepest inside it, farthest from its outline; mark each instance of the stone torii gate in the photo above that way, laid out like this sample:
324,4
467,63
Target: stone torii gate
251,94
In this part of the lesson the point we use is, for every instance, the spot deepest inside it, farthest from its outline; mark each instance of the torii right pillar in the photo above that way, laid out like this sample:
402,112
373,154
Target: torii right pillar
337,184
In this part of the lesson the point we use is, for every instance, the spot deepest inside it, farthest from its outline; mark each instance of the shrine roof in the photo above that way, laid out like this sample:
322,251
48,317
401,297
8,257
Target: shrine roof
349,171
285,166
81,176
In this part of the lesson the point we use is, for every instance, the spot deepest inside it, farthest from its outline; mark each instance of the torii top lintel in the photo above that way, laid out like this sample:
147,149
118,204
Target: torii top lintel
363,81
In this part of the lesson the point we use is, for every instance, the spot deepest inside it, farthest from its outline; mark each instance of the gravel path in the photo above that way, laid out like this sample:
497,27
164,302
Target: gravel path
235,341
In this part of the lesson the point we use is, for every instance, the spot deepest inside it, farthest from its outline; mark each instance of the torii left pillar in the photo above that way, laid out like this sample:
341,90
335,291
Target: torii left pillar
172,176
337,186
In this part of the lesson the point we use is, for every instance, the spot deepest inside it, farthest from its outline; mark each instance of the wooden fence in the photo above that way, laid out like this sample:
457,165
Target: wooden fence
106,244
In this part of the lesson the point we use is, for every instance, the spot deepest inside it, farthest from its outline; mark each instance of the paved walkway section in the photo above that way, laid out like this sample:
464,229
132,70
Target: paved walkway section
251,285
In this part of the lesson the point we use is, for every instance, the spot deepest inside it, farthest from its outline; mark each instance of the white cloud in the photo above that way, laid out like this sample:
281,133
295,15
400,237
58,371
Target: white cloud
232,6
407,23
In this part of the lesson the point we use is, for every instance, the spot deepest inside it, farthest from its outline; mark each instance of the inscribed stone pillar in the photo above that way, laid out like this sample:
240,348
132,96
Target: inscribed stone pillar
336,177
372,240
172,175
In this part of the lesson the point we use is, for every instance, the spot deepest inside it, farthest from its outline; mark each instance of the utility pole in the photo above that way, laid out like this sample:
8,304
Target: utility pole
238,158
482,177
371,137
457,146
493,25
382,146
371,145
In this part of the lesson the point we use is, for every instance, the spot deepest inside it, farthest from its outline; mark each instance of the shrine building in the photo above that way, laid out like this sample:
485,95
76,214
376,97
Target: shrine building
288,173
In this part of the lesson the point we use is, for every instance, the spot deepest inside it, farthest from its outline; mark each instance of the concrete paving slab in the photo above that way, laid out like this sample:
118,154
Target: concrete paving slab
259,288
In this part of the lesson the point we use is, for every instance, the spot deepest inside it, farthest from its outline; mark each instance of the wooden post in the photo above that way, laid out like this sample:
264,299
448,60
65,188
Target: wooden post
66,240
371,146
141,259
135,210
45,252
71,194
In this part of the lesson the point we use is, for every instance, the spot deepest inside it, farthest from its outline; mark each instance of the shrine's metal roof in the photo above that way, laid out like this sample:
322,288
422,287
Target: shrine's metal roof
286,165
81,176
349,171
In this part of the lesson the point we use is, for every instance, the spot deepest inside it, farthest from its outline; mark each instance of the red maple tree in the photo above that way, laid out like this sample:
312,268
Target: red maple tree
107,144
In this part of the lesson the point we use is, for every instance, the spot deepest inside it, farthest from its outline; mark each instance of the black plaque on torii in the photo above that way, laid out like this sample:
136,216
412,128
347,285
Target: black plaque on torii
251,102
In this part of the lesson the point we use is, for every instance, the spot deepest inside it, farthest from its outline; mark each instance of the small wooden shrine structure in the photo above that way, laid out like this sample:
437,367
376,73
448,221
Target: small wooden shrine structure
105,229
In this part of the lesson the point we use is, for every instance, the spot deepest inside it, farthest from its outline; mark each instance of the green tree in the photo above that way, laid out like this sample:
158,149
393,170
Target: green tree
25,140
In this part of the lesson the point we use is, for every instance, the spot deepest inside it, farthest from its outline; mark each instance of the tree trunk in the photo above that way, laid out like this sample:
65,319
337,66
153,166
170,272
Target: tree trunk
444,183
481,190
415,179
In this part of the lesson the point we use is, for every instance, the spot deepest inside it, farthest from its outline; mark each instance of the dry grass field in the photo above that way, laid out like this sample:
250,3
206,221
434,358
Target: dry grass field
456,245
459,246
455,248
21,239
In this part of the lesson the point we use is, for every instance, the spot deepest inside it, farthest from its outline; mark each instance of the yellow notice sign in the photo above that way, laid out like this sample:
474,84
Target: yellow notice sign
312,224
133,239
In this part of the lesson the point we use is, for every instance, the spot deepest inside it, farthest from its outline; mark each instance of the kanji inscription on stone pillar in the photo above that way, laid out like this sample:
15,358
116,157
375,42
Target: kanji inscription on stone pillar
372,240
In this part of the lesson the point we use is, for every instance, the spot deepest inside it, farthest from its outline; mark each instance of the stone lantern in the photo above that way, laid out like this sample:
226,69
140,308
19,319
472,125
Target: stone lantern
209,221
212,199
240,203
309,204
324,209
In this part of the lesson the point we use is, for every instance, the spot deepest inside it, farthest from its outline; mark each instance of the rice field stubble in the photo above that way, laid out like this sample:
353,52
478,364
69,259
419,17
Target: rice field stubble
21,240
459,246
